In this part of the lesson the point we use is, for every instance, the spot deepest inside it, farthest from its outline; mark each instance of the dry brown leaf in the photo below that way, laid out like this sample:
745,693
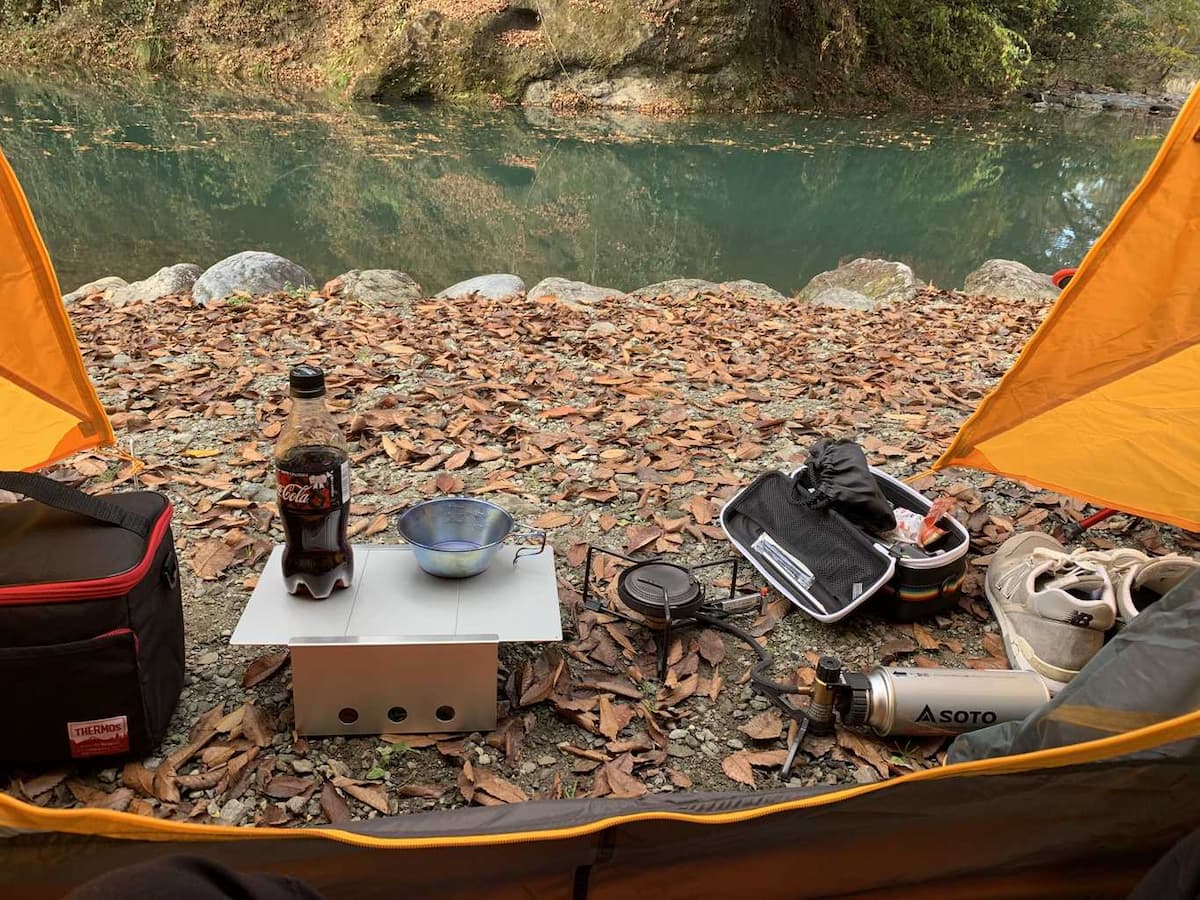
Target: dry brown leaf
737,768
544,675
369,792
262,669
993,645
622,784
766,758
679,779
553,519
712,647
35,787
377,525
766,726
284,787
863,748
701,509
138,777
675,695
335,808
211,557
497,787
457,460
257,725
890,651
925,640
424,791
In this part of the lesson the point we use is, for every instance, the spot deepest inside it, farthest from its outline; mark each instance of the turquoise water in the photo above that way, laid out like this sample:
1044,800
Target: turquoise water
126,179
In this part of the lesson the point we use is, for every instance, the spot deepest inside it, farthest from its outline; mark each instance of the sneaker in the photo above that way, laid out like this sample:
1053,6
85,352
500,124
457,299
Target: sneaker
1141,584
1053,609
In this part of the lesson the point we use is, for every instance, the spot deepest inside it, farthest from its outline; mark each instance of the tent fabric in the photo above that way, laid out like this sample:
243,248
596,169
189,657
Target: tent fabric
1104,401
50,409
1149,672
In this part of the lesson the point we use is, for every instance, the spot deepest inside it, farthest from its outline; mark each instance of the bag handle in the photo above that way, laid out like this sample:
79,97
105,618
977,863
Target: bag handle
61,496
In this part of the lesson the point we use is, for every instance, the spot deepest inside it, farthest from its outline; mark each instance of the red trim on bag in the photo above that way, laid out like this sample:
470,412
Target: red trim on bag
137,645
93,588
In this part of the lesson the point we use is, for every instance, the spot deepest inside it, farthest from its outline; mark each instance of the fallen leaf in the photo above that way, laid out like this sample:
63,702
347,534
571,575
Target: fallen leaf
138,777
737,767
284,787
766,758
680,692
544,675
622,784
334,807
993,645
864,749
457,460
425,791
701,509
263,668
891,650
35,787
201,452
925,640
712,647
370,793
765,726
553,519
211,557
257,726
497,787
679,779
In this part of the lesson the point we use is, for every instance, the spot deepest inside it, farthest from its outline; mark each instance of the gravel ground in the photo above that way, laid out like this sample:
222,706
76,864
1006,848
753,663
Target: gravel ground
623,424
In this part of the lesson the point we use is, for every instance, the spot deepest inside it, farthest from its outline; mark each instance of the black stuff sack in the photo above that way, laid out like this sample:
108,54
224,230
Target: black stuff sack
837,476
91,622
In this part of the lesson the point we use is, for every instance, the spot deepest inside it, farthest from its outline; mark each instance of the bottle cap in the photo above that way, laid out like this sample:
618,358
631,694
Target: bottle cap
306,381
829,669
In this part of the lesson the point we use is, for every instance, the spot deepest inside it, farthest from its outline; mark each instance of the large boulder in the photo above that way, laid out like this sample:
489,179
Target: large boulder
381,287
862,284
252,272
106,285
1009,280
579,293
167,280
486,287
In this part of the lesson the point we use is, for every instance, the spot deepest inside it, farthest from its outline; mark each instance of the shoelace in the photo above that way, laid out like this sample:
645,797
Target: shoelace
1077,562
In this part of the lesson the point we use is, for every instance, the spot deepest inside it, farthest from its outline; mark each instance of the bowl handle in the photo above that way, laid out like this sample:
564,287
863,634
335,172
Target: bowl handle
525,532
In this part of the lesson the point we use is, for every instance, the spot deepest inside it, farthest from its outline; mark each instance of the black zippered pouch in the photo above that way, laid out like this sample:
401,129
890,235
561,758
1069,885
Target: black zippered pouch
91,622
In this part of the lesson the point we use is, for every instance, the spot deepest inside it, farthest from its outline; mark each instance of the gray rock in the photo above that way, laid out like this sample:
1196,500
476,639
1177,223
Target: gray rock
253,272
682,288
528,768
1009,280
106,286
486,287
677,288
296,805
234,812
383,287
167,280
578,293
735,744
755,289
865,775
302,766
207,659
862,284
678,734
547,760
679,751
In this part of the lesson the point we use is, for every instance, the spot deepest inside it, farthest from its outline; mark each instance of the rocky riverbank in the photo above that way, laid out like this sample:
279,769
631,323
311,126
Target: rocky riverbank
862,284
619,420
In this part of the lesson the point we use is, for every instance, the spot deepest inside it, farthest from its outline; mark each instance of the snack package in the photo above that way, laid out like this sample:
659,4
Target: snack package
914,528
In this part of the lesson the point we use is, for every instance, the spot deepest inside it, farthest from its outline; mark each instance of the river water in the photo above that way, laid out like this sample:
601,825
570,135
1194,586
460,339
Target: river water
125,179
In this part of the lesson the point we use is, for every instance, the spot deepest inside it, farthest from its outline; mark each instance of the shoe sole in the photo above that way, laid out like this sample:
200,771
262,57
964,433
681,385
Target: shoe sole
1020,654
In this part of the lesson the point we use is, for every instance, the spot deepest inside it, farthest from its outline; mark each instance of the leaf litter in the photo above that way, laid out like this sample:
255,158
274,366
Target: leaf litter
631,437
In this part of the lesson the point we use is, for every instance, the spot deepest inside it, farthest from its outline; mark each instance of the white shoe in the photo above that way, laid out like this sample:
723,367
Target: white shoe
1142,584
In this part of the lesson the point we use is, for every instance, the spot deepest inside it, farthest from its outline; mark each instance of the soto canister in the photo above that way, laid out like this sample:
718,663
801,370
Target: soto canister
937,701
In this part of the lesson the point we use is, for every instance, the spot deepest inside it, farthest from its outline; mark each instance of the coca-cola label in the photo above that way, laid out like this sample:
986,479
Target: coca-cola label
308,492
98,737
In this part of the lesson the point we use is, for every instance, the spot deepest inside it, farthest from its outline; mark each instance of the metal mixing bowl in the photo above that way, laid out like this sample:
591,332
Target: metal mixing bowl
456,537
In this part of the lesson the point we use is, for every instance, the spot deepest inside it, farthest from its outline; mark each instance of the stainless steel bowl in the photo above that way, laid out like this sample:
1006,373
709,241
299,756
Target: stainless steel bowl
456,537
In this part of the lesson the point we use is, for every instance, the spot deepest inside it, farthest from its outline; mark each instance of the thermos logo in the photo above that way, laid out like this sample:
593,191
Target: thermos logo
98,737
957,716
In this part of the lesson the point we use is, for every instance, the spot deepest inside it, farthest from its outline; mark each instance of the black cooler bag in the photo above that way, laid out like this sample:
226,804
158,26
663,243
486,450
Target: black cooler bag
91,622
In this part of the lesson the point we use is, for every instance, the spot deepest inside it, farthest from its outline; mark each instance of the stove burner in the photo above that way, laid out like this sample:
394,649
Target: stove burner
660,591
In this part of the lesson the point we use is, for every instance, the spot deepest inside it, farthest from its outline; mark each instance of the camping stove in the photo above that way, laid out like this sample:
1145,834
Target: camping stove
662,596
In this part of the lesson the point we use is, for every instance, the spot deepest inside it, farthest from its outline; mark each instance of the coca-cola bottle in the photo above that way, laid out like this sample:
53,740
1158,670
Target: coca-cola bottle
313,474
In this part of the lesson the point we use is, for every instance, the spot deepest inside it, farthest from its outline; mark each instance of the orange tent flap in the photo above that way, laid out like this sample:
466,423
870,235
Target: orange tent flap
49,408
1104,401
